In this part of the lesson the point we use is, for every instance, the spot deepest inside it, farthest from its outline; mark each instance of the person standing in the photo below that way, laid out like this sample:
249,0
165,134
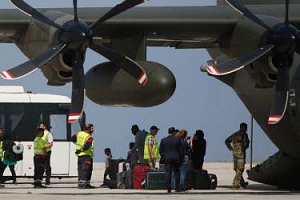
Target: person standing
1,156
108,165
85,154
40,154
198,151
186,151
48,138
140,137
172,154
240,142
10,159
151,148
132,156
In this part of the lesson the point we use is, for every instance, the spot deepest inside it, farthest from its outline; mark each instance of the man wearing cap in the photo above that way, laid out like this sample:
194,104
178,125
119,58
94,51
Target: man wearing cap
151,149
172,153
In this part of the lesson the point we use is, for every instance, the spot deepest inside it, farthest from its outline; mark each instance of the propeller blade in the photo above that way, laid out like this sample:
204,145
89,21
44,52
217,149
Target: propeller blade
28,10
33,64
125,5
124,62
281,96
236,64
239,7
287,4
78,89
75,10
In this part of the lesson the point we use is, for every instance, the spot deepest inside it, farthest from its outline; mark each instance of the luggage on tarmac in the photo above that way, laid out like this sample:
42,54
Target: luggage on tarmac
114,169
156,180
125,180
201,179
129,179
112,184
198,179
139,174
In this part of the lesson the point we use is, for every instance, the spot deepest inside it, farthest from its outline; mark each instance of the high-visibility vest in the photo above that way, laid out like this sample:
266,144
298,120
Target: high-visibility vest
45,138
155,148
82,137
1,149
39,145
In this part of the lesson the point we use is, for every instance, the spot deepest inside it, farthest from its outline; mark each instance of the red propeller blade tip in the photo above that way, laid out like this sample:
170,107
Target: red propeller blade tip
212,70
274,119
7,75
73,117
143,79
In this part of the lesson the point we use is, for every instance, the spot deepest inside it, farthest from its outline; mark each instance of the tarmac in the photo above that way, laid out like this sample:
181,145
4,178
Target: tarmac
66,189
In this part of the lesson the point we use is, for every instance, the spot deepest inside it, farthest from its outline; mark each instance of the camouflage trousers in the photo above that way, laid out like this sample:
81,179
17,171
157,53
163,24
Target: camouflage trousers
239,167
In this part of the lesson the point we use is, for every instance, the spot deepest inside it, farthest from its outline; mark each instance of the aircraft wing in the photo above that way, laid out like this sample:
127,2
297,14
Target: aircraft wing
179,27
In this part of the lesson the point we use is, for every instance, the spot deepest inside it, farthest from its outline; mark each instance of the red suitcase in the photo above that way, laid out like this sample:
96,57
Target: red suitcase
139,174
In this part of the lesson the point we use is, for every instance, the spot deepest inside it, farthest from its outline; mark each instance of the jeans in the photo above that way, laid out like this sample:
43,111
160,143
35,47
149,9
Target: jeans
183,171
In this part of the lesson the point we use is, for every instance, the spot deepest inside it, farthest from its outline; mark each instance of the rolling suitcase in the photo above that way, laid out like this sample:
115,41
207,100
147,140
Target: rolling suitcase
201,179
156,180
139,174
128,179
121,180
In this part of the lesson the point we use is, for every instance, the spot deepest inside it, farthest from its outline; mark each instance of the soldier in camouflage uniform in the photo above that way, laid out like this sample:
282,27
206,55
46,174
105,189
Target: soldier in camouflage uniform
240,143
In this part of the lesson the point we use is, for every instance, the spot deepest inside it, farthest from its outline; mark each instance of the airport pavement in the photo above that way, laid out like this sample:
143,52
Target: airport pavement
65,189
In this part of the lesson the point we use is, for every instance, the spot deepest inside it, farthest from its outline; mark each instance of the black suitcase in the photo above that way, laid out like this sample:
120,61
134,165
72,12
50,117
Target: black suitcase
203,180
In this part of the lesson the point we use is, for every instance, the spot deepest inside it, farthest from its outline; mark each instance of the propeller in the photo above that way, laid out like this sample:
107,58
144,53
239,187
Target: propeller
283,42
76,36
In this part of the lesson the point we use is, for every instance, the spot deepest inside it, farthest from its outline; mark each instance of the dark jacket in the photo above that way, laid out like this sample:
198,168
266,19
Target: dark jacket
199,148
171,150
139,143
8,152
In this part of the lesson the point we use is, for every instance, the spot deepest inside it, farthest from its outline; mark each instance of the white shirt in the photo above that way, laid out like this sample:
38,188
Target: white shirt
49,138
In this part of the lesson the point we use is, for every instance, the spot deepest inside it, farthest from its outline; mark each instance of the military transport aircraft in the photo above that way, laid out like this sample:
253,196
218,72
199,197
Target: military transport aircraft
254,49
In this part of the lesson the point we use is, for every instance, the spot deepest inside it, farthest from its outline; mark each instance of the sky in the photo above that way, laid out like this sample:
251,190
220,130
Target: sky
199,102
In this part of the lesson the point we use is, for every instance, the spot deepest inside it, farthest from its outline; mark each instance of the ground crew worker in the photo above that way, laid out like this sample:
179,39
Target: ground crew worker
151,149
1,156
40,155
240,143
85,152
48,138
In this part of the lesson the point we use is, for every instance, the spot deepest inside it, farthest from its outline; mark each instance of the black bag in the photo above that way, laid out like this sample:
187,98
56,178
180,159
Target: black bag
112,184
203,180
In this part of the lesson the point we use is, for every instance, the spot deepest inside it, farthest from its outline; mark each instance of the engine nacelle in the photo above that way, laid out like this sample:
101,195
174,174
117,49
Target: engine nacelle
248,36
39,38
107,84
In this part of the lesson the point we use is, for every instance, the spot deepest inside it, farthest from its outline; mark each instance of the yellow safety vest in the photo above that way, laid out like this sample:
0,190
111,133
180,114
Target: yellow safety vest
82,137
39,145
155,148
1,149
45,138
